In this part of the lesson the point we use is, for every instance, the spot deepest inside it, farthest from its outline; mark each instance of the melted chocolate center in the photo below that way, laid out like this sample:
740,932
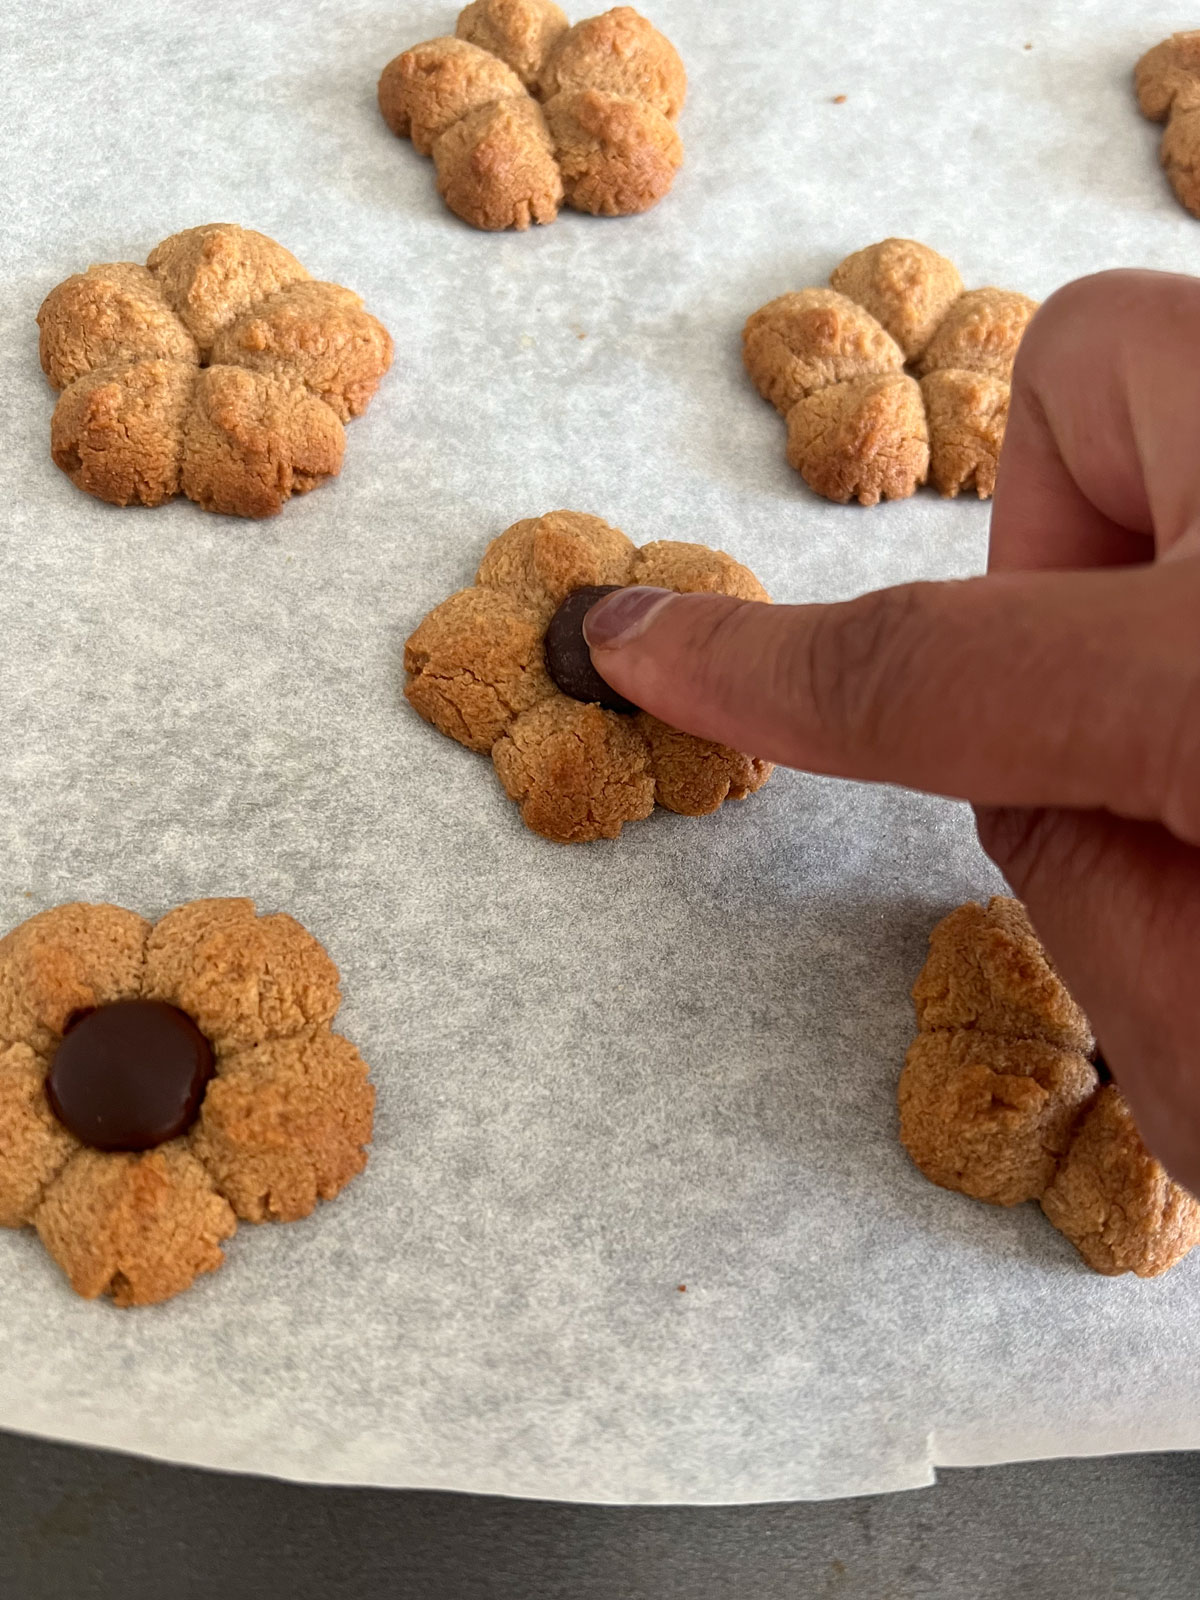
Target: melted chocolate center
568,659
130,1075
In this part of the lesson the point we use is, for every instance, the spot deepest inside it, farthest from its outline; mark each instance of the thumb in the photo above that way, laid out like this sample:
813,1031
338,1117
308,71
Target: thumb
1058,689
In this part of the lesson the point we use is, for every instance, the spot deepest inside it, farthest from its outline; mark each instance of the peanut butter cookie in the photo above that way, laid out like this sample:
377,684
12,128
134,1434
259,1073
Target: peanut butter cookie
1167,81
833,361
612,88
502,668
1000,1099
159,1083
219,370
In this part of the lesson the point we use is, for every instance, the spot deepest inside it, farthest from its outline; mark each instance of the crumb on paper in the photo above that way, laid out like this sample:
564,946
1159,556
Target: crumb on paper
681,1287
839,99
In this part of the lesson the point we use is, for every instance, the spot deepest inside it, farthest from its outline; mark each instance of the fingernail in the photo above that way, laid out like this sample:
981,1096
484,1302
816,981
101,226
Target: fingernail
620,617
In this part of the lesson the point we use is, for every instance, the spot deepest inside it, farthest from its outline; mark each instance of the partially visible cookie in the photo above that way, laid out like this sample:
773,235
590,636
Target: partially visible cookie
1000,1098
1167,81
156,1084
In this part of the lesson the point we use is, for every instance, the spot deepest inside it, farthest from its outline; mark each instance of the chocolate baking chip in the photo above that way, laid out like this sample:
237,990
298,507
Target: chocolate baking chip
568,659
130,1075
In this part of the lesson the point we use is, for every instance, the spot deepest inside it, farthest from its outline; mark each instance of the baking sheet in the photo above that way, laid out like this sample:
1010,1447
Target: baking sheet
636,1225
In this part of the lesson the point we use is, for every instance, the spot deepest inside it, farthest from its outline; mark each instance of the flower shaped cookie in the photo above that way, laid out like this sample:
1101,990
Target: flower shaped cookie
479,668
835,362
1167,80
158,1083
219,370
1001,1099
602,138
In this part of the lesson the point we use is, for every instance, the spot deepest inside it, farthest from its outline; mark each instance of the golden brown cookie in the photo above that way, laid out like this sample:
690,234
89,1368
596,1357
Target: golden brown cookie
476,669
999,1098
1167,80
278,1116
220,370
606,144
833,362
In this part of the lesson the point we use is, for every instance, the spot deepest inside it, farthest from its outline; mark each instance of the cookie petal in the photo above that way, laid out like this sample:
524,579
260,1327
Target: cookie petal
618,156
118,433
251,441
285,1124
425,90
496,166
967,414
520,32
865,440
213,273
803,342
1167,78
34,1145
578,772
474,664
1180,156
693,776
905,286
986,969
541,560
980,333
242,978
621,53
64,960
1115,1202
318,333
693,569
989,1116
140,1228
114,312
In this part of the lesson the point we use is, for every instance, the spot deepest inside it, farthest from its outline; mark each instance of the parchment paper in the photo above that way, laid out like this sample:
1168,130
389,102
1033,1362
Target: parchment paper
608,1072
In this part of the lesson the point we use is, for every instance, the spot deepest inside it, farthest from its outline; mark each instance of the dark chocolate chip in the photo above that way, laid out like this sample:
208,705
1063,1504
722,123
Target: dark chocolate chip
130,1075
568,659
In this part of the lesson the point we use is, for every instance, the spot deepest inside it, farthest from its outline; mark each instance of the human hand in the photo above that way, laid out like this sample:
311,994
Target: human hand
1060,694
